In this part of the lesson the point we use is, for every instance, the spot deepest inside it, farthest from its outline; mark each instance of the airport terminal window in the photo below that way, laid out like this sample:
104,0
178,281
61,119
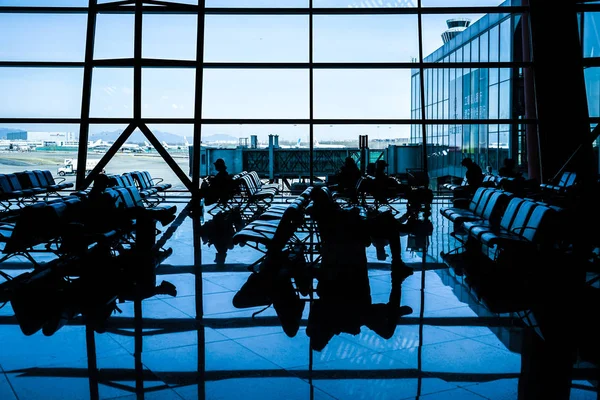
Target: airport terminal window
168,93
112,93
350,38
361,93
494,44
40,92
45,3
256,38
43,37
255,93
506,40
592,85
484,47
169,36
114,36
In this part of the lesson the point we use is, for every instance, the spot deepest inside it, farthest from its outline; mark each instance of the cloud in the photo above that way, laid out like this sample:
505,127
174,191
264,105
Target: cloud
175,106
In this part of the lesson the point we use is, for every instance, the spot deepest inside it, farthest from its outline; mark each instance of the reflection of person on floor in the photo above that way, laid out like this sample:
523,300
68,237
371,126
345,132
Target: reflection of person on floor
345,303
219,232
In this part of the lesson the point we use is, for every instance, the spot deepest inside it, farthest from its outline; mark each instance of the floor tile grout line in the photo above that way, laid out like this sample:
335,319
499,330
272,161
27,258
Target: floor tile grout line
9,383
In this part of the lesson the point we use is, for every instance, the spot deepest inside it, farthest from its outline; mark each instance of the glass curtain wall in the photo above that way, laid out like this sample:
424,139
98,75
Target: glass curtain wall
477,105
198,80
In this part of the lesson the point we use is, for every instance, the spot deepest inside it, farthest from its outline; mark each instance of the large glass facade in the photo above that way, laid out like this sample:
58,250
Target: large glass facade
227,79
476,103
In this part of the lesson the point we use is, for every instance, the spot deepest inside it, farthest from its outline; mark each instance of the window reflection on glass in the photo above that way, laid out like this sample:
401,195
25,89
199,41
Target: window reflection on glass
114,36
365,38
372,93
256,38
112,93
168,93
169,36
41,92
264,93
42,37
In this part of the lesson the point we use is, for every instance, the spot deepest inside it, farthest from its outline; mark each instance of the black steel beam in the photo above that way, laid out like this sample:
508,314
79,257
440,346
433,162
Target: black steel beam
283,121
311,130
422,90
137,58
192,9
158,63
197,139
167,157
86,94
108,155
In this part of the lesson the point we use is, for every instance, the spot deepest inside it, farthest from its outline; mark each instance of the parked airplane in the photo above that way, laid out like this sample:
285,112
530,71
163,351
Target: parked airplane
317,145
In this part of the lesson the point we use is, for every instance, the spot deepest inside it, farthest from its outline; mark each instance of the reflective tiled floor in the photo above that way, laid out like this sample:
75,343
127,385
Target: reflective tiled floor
197,345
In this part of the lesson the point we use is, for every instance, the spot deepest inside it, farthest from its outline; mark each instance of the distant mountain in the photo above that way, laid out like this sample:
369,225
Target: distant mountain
219,137
138,137
4,131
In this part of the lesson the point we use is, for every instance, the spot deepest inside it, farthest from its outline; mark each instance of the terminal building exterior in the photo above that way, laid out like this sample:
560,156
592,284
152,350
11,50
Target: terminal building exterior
482,93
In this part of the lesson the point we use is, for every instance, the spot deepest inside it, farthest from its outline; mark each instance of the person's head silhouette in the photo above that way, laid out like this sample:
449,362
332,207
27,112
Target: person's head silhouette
220,165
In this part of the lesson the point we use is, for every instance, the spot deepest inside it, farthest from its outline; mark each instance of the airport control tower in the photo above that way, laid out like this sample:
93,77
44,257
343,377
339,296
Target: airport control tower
455,26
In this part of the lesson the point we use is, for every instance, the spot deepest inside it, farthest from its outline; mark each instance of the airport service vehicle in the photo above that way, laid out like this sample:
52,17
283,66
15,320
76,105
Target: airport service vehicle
70,167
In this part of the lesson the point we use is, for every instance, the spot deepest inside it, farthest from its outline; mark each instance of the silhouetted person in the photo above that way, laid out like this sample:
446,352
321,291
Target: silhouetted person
509,170
221,185
348,177
474,174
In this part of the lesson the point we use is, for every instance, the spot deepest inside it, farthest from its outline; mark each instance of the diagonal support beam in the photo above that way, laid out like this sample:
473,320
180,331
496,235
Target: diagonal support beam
167,157
109,155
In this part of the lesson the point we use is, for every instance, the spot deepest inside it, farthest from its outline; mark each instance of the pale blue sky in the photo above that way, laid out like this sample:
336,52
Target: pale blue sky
228,93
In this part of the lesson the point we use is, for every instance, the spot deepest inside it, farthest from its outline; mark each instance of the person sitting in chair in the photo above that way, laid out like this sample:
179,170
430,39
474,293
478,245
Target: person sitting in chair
220,188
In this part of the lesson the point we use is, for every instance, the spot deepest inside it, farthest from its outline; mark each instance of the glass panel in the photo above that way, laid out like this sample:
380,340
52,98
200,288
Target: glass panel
45,3
42,37
484,47
591,34
258,3
41,92
256,38
506,39
493,102
169,36
592,86
375,38
114,36
168,93
494,46
265,93
112,93
37,146
362,93
505,100
364,4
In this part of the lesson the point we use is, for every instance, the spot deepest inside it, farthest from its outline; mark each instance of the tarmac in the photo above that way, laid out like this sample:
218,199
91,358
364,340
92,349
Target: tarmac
14,161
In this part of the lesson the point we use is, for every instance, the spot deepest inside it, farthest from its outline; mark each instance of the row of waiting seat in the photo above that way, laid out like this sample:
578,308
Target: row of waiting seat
503,240
20,188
